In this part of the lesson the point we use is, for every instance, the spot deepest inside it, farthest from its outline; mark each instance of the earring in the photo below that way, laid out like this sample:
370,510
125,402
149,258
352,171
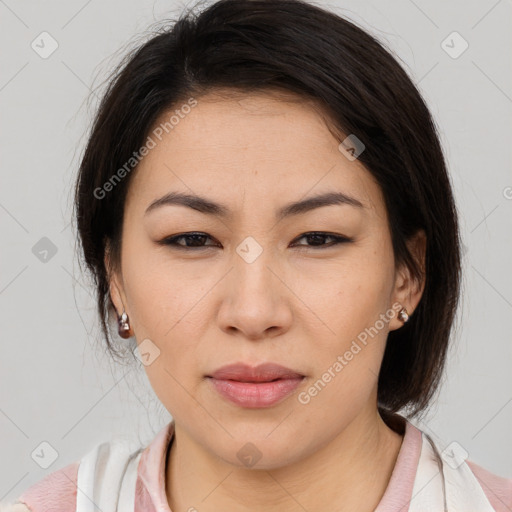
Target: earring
124,326
403,315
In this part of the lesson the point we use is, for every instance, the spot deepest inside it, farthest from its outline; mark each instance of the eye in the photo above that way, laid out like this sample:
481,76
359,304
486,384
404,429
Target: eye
316,238
195,239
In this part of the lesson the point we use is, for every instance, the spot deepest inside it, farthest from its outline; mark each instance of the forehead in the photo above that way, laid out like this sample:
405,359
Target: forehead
262,146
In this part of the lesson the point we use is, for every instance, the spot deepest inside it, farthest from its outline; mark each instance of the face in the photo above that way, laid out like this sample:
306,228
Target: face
314,289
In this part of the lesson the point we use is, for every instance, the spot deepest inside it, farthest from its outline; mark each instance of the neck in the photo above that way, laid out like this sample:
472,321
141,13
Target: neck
350,472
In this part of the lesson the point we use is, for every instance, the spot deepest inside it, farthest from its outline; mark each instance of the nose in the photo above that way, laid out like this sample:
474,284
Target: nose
256,300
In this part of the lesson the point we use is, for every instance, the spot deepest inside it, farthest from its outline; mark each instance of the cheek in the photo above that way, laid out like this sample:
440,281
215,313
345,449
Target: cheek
165,314
166,309
352,301
351,294
162,294
347,363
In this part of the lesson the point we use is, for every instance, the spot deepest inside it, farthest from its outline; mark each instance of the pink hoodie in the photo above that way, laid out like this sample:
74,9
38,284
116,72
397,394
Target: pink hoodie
57,491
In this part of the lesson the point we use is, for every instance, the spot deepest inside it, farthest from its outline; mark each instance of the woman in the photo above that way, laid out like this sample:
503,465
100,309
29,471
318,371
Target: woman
264,203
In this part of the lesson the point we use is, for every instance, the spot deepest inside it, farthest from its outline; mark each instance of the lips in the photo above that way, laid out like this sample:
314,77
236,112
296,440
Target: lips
262,386
266,372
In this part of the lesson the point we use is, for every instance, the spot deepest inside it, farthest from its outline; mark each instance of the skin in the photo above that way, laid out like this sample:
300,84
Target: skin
297,306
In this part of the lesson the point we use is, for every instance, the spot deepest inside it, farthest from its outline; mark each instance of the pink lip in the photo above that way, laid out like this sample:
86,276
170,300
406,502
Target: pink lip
255,387
262,373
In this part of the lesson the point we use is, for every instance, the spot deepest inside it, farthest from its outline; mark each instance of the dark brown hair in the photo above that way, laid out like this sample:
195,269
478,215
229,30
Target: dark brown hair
294,46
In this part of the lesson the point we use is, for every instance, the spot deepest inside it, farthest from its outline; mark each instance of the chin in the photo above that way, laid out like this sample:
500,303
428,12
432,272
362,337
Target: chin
260,452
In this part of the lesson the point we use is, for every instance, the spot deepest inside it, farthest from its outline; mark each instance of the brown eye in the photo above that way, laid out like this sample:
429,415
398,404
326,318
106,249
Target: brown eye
192,241
316,239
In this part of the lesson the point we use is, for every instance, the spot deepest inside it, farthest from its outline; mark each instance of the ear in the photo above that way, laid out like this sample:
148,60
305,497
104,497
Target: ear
408,288
115,283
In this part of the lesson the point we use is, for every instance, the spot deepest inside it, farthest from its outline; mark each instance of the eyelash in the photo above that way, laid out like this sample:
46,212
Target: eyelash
172,240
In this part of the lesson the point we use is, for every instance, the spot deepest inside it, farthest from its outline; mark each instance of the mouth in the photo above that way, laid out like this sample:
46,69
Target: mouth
255,387
266,372
255,395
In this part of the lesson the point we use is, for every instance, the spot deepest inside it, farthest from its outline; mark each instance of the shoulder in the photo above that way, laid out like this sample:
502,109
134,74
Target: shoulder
56,491
497,489
106,463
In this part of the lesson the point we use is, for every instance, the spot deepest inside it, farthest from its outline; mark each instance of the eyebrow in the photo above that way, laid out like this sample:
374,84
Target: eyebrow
210,207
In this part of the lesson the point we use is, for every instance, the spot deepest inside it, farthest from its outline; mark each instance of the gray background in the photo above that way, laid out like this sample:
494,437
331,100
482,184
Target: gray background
56,384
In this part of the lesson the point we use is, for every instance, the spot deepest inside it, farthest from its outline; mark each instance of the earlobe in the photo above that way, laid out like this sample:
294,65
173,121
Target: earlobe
124,328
